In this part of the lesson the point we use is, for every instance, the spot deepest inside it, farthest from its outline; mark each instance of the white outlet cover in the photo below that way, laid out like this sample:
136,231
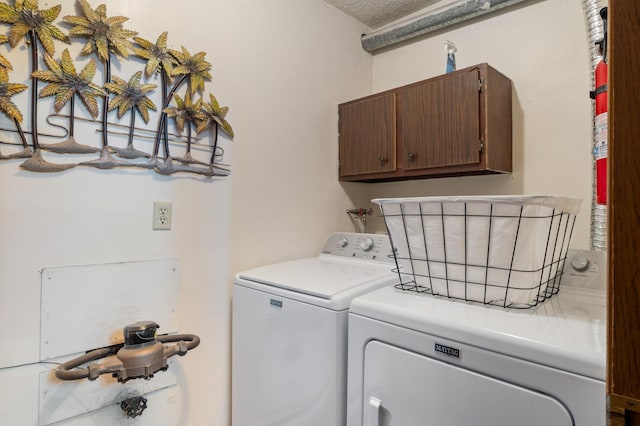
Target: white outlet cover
162,215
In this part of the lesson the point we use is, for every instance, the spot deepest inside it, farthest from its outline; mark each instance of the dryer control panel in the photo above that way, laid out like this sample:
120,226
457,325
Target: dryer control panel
374,247
585,269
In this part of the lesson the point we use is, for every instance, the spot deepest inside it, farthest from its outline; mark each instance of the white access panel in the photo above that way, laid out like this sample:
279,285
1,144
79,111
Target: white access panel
86,307
404,388
65,400
164,408
276,340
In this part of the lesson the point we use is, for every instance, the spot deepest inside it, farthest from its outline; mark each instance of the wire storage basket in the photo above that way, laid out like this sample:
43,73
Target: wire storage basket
507,251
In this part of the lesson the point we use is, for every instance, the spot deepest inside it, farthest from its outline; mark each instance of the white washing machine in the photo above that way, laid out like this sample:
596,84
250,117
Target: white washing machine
289,332
423,360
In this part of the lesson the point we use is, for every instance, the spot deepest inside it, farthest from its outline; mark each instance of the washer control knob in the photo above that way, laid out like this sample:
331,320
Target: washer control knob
367,244
343,242
580,263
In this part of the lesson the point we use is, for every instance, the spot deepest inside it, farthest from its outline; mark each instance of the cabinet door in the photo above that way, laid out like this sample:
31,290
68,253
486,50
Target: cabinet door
439,122
367,135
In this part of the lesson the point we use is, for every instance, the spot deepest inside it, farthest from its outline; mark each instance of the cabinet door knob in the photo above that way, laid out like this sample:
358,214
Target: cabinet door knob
382,160
412,156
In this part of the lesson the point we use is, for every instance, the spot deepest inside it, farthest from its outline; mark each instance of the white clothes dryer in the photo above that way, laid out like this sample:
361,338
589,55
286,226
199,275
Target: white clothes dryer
422,360
289,332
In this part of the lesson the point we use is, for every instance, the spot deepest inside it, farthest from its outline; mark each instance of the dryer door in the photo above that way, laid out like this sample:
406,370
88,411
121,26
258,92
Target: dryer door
403,388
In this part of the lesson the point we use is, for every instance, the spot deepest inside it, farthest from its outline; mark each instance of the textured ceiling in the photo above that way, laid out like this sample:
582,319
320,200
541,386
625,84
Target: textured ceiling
376,13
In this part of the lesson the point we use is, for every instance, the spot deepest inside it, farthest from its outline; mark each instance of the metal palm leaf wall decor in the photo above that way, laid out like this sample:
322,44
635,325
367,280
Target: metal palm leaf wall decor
180,98
64,84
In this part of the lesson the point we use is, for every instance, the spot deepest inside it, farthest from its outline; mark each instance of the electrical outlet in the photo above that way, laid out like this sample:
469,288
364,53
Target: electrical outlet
161,215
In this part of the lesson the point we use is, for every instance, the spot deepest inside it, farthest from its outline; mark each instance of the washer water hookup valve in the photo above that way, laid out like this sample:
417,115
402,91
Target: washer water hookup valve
142,354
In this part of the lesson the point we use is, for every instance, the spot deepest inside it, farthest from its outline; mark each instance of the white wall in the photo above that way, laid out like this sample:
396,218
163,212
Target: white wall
295,63
282,67
542,46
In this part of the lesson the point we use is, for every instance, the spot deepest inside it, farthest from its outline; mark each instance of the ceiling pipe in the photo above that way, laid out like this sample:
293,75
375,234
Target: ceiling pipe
432,20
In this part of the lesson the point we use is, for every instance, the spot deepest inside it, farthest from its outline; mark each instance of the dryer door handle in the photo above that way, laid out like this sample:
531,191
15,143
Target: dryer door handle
375,406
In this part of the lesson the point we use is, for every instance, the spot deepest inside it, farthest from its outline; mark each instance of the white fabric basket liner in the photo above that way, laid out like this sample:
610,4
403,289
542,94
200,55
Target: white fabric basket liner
504,250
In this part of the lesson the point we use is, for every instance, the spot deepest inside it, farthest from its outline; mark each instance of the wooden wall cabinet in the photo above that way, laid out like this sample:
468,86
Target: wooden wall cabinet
451,125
